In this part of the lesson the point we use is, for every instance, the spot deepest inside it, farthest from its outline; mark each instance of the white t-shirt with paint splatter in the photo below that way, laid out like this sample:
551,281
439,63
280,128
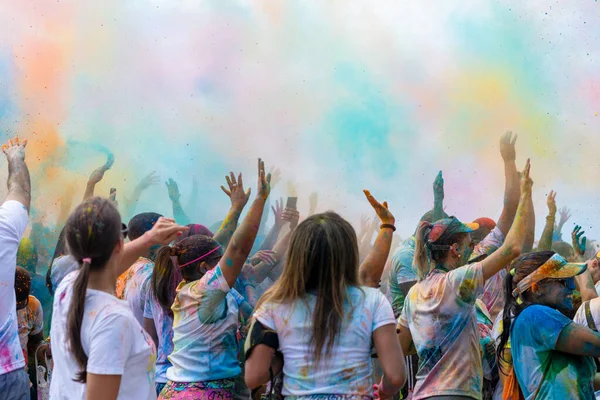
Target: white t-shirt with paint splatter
348,370
113,340
13,221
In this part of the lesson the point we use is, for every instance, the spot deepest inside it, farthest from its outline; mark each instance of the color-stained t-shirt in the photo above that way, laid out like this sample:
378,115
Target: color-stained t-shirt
347,371
163,323
493,290
533,337
205,326
31,322
441,316
13,221
136,286
401,271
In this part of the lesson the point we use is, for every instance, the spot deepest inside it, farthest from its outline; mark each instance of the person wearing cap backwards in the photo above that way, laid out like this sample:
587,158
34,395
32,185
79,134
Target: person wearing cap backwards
551,354
439,314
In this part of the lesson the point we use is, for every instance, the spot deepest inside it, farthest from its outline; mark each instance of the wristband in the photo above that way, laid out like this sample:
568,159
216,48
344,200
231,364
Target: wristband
390,226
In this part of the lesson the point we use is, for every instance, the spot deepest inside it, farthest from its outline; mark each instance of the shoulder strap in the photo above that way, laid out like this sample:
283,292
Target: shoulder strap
588,316
545,373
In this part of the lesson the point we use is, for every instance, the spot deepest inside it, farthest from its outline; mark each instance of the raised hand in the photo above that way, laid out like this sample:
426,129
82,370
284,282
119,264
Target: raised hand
292,216
149,180
551,202
173,189
565,214
507,146
113,196
278,211
438,187
264,181
14,149
266,256
579,241
236,193
164,231
382,210
275,177
526,182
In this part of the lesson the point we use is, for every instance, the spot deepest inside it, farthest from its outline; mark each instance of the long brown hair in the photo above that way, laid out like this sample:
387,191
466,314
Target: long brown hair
322,258
166,277
92,231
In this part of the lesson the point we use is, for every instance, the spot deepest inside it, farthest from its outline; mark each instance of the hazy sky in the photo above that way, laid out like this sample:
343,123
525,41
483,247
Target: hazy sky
339,95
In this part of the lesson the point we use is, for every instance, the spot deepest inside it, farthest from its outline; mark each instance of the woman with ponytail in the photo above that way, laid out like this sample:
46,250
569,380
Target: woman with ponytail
100,350
544,354
439,314
206,309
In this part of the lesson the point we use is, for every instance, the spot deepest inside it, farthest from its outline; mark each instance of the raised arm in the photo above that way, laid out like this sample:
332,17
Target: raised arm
513,244
164,231
364,245
585,282
97,176
530,238
238,198
565,215
273,234
264,268
174,195
243,237
369,272
438,197
19,183
546,239
511,188
149,180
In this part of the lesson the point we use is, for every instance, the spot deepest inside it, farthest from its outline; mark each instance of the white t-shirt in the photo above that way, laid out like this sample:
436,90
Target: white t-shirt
113,340
13,221
440,312
348,370
594,310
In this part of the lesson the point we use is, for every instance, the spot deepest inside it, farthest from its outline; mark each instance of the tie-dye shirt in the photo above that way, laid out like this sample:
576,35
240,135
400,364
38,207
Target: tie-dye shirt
401,271
493,290
31,322
205,323
163,323
136,286
13,221
533,337
441,316
348,370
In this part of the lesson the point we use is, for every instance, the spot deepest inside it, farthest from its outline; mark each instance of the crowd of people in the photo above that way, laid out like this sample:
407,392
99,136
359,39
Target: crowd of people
166,308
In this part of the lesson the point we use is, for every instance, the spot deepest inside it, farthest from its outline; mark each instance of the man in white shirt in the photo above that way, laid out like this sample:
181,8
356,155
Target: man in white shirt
14,214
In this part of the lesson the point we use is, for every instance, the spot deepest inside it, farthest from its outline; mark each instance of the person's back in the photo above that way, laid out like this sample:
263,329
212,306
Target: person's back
440,312
13,221
111,337
401,271
347,371
136,288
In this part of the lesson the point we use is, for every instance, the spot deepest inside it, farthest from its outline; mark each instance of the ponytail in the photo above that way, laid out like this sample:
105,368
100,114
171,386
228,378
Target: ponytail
75,319
165,278
509,303
422,256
